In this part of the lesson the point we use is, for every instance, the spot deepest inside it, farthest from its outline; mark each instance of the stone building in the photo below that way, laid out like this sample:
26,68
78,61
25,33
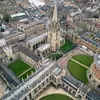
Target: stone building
51,41
31,88
30,28
8,6
54,33
36,41
94,72
77,39
23,3
89,24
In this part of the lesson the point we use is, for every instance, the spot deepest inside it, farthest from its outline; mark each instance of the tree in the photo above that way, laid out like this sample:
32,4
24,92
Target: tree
6,17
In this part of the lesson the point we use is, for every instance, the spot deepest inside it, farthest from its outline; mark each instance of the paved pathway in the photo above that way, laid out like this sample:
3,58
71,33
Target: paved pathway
63,61
25,72
80,63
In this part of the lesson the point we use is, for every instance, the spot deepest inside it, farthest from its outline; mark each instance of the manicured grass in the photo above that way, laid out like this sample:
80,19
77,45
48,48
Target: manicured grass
19,67
67,46
84,59
24,76
56,97
78,71
55,56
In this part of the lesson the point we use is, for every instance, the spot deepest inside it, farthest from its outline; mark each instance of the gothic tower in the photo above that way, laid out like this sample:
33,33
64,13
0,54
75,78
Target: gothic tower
54,31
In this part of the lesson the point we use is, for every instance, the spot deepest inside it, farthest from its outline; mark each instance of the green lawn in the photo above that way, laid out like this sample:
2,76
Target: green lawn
84,59
78,71
24,76
67,46
18,67
56,97
55,56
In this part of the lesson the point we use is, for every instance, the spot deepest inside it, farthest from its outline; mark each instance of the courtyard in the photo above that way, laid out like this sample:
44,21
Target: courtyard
56,97
53,93
84,59
21,69
68,46
78,66
91,37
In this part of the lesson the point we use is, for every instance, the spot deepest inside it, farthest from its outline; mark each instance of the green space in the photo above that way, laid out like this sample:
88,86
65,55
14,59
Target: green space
84,59
56,97
67,46
55,56
63,49
24,76
19,67
78,71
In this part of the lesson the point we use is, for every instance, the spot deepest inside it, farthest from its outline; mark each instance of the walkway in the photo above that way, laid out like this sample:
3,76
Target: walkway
25,72
80,63
63,61
3,87
53,90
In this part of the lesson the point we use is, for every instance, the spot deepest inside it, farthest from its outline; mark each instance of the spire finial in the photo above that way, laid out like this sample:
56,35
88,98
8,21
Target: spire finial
55,13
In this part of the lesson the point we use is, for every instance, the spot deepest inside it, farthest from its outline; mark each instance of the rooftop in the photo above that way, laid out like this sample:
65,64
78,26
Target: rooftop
44,47
25,23
57,71
37,39
30,83
95,8
18,14
29,53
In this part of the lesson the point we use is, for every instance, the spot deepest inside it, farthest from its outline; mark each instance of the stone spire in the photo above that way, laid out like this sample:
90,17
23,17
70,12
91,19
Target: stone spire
55,14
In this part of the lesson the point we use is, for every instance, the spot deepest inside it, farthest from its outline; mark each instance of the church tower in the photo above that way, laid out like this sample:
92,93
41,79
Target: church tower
54,31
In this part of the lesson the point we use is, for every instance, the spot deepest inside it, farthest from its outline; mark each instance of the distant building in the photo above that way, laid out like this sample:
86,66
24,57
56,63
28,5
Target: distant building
23,3
30,28
9,6
91,11
18,16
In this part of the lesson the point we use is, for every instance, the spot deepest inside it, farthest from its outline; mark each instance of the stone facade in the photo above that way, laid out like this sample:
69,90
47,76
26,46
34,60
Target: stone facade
81,41
31,28
54,33
94,73
89,24
29,60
